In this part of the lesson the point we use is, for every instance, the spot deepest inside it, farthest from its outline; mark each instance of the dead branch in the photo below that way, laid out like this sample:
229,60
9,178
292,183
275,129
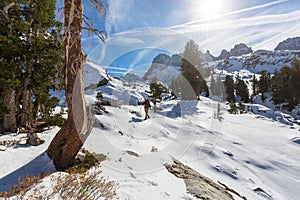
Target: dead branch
98,6
100,34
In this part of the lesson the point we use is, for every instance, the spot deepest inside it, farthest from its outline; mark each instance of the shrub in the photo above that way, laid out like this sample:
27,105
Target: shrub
55,120
90,160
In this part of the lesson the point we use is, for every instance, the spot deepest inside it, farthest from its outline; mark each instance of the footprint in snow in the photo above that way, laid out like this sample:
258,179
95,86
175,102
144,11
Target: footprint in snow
296,140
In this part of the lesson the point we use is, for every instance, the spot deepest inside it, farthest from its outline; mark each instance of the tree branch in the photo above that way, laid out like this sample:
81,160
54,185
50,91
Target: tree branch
100,34
4,12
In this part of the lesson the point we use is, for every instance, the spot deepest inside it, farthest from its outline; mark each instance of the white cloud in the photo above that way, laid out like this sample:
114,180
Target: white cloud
117,13
235,23
121,40
117,68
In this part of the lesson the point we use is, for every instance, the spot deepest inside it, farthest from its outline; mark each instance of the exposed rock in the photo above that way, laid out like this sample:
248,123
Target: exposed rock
240,49
176,60
289,44
197,184
131,78
103,82
132,153
258,61
224,54
154,149
207,57
33,139
164,68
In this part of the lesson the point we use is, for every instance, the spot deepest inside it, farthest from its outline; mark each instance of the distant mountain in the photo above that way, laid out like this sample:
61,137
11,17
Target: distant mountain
131,78
164,68
289,44
238,50
258,61
207,57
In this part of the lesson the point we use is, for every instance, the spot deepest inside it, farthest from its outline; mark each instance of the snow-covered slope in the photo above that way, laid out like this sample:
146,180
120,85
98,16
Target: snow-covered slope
252,154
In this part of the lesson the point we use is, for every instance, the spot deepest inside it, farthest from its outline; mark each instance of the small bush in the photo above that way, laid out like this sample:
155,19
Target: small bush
90,160
55,120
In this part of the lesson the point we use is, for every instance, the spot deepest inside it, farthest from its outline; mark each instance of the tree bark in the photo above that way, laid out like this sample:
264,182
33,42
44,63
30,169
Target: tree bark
68,141
9,118
27,104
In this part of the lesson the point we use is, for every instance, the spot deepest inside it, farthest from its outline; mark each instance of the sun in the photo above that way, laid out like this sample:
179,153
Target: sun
210,8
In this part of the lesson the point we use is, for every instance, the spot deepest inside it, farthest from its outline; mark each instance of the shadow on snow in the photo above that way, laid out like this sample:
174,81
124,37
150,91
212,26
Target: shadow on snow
38,166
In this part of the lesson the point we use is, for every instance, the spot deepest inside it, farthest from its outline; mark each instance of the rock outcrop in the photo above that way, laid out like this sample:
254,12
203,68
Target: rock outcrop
238,50
131,78
289,44
197,184
164,68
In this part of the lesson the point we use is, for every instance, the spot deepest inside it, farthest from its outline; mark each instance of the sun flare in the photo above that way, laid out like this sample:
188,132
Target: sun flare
210,8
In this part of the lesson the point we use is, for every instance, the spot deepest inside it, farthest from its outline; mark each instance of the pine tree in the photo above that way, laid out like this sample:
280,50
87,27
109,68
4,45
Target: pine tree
254,85
232,107
285,85
264,84
156,90
190,70
229,88
11,54
241,89
295,82
241,108
32,58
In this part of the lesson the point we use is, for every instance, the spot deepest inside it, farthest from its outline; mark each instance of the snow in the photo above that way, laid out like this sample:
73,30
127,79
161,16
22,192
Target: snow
254,154
22,159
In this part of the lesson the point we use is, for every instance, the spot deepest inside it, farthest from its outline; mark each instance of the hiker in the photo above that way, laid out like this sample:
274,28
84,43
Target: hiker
146,105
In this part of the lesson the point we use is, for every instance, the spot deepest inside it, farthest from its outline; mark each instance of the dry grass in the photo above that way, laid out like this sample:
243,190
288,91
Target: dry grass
77,183
86,186
24,185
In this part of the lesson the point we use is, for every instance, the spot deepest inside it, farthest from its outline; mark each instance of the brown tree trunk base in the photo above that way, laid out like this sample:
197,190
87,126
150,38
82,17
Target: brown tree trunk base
65,146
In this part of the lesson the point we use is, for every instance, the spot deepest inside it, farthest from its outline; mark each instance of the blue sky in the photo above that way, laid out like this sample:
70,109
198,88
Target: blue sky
138,29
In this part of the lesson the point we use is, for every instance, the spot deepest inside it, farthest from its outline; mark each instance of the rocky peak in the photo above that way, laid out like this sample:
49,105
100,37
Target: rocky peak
164,68
131,77
240,49
289,44
207,57
224,54
162,59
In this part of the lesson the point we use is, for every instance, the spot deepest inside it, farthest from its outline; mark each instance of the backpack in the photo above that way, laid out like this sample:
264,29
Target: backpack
147,104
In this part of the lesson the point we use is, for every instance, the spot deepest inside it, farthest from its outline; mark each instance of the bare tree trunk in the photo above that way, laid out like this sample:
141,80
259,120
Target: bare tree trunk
27,104
68,141
9,118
